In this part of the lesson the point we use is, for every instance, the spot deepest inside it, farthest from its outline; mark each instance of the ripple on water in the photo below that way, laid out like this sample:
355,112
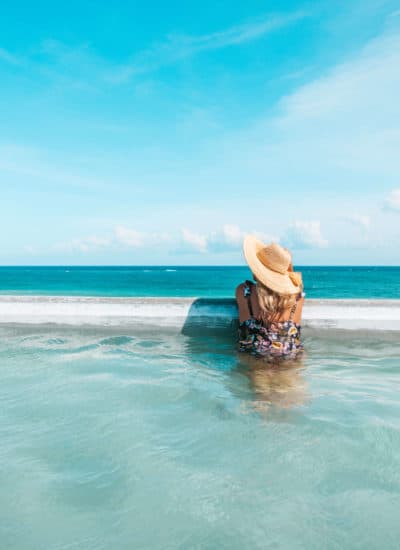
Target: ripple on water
116,341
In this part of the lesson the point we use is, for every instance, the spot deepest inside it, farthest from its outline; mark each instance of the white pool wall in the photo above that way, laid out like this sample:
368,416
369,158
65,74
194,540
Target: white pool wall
178,313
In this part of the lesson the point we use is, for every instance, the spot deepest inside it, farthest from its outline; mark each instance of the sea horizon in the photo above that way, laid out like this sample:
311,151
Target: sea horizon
371,282
194,266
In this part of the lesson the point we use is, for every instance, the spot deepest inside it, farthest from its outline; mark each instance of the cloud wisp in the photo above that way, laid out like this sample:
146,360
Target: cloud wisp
80,67
8,57
340,129
189,45
177,47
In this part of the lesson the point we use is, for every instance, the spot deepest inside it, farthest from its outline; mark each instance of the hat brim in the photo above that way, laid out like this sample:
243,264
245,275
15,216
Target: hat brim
278,282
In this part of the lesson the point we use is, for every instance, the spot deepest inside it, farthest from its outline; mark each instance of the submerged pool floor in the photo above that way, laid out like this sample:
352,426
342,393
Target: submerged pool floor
114,440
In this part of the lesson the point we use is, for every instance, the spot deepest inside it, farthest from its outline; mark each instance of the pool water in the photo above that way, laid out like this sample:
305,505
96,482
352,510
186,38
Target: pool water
112,440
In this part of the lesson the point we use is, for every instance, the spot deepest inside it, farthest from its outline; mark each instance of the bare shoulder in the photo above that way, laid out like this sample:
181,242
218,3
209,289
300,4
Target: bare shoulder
241,292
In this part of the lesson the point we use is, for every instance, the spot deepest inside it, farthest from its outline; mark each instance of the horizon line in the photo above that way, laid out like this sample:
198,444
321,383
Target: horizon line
7,266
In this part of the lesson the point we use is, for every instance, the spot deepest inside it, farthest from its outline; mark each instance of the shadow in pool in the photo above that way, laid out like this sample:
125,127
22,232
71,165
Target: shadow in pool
210,316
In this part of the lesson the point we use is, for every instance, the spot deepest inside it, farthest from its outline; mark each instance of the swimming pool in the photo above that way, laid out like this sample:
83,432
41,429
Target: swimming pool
111,439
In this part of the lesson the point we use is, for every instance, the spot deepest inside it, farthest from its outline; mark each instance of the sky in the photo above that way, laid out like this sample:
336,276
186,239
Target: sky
160,133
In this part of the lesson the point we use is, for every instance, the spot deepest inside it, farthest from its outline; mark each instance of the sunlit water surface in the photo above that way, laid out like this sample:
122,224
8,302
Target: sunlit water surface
121,441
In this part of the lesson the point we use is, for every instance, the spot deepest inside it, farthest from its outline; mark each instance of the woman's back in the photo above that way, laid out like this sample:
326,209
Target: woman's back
272,333
270,310
249,306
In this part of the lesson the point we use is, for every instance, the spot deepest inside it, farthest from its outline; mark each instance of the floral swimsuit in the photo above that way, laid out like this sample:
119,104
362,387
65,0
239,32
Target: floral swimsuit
275,339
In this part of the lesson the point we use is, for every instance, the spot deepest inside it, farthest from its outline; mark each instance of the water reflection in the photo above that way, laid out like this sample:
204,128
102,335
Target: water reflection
274,384
254,381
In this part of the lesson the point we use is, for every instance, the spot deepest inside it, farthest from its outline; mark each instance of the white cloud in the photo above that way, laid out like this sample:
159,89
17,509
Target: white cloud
230,238
265,237
192,241
303,235
324,146
227,239
122,235
233,234
86,244
135,239
358,219
129,237
393,200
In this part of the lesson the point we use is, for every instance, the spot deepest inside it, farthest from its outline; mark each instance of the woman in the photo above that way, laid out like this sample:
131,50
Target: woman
270,309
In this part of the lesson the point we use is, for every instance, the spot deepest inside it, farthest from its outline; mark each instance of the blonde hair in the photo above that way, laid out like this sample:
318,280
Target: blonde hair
272,304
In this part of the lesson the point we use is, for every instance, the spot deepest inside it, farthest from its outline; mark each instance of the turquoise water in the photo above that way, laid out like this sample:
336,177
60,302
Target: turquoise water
320,282
115,440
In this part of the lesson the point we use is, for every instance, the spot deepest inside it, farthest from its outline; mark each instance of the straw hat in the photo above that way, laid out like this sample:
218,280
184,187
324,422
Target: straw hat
270,265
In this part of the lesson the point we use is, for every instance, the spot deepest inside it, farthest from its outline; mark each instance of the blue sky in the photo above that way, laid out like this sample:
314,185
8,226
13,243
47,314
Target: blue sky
162,132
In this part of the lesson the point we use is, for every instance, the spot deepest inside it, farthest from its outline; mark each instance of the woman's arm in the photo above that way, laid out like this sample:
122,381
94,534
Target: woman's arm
299,310
242,303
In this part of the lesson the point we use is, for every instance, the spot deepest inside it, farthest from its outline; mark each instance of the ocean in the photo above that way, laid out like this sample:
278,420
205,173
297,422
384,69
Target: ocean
320,282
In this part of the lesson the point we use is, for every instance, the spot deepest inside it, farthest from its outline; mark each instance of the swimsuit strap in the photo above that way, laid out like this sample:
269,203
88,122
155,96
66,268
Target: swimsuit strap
292,311
294,306
247,295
